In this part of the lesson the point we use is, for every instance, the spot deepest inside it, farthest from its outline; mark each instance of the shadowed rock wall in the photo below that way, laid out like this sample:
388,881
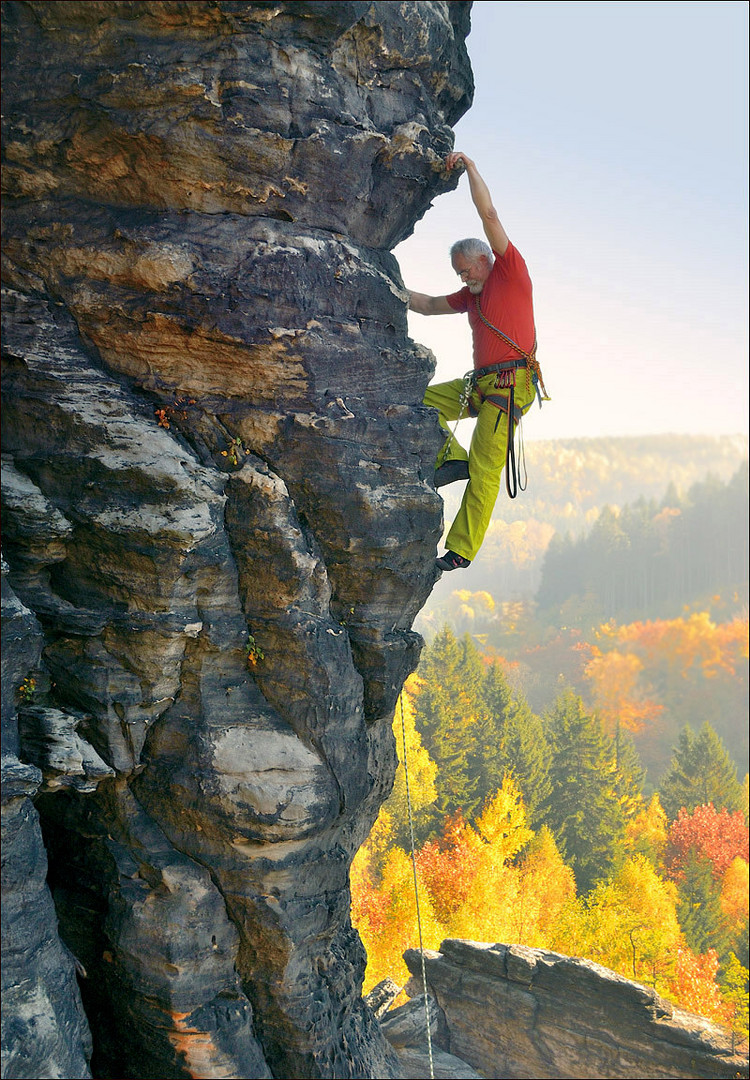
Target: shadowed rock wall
218,515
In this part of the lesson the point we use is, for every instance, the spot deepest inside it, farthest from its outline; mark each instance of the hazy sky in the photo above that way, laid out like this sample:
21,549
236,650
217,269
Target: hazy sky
613,137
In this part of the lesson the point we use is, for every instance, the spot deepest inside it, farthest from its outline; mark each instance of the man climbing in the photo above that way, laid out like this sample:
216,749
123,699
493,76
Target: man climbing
497,297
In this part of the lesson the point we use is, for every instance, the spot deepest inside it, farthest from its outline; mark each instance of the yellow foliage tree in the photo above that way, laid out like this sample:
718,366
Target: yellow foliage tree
628,924
545,886
381,877
386,918
502,823
646,833
421,768
487,911
734,894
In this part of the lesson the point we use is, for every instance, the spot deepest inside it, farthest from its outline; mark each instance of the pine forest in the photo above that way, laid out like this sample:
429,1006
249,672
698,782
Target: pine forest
576,733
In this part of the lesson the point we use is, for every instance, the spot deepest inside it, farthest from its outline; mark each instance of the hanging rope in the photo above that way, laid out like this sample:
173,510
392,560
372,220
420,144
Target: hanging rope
463,405
416,891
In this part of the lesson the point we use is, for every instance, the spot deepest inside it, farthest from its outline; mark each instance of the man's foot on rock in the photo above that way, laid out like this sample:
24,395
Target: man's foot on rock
452,561
450,471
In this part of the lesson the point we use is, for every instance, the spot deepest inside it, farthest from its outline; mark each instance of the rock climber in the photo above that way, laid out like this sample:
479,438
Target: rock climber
497,297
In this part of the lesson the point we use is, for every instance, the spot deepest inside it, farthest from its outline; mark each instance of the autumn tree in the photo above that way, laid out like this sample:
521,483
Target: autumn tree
716,835
385,916
695,987
617,692
646,832
448,865
735,994
545,886
734,905
628,923
489,901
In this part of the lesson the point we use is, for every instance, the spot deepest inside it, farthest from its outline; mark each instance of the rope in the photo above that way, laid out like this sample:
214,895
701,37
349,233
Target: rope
416,892
532,364
463,404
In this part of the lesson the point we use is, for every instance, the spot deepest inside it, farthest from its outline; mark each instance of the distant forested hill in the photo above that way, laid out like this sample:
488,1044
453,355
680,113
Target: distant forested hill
570,482
653,559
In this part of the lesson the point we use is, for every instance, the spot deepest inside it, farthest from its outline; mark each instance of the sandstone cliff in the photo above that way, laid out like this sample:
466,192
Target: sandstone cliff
512,1011
218,516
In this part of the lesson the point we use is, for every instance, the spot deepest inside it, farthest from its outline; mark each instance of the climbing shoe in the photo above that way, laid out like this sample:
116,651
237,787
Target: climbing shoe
450,471
452,561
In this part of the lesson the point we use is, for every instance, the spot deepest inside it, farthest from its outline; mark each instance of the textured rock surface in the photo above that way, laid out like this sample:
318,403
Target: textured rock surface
44,1030
216,500
513,1011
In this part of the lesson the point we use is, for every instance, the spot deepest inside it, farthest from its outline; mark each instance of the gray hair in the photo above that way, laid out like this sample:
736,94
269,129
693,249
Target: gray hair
471,248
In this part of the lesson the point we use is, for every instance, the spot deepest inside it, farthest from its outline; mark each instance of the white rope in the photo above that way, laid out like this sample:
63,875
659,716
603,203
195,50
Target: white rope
463,404
416,891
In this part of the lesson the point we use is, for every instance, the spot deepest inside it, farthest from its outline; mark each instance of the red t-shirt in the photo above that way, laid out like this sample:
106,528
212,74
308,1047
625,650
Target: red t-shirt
506,301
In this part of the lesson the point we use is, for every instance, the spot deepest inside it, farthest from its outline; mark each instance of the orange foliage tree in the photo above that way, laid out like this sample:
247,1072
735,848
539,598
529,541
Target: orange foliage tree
384,912
694,985
717,835
449,864
651,676
616,692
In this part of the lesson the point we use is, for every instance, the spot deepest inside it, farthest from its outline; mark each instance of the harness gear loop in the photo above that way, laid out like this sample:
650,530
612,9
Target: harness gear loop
416,890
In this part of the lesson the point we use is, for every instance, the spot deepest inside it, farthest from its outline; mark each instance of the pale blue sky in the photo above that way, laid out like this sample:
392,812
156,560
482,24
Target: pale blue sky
613,137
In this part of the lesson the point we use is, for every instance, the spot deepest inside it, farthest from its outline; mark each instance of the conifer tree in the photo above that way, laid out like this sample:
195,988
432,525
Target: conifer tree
701,772
496,693
487,756
583,809
440,689
445,712
700,913
472,671
527,757
629,776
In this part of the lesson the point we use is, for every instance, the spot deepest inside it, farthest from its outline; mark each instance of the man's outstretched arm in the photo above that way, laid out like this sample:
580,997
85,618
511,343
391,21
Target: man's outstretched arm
480,195
429,305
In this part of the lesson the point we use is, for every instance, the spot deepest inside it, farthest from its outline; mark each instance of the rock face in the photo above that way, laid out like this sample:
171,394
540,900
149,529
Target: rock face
512,1011
44,1030
218,514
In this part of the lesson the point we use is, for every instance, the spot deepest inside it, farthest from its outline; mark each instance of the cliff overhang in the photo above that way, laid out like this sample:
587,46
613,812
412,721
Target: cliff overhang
218,514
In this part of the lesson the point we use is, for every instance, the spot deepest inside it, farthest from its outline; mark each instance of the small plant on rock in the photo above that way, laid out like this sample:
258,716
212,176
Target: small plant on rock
26,690
254,652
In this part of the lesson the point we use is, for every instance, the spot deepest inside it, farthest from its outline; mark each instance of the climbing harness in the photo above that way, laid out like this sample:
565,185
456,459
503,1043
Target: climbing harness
505,379
416,890
504,402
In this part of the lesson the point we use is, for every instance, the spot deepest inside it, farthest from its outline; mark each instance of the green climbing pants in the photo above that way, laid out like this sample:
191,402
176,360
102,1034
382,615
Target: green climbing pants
486,455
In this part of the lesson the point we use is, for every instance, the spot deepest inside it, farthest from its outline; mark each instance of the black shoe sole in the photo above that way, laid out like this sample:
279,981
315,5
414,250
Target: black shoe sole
450,472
